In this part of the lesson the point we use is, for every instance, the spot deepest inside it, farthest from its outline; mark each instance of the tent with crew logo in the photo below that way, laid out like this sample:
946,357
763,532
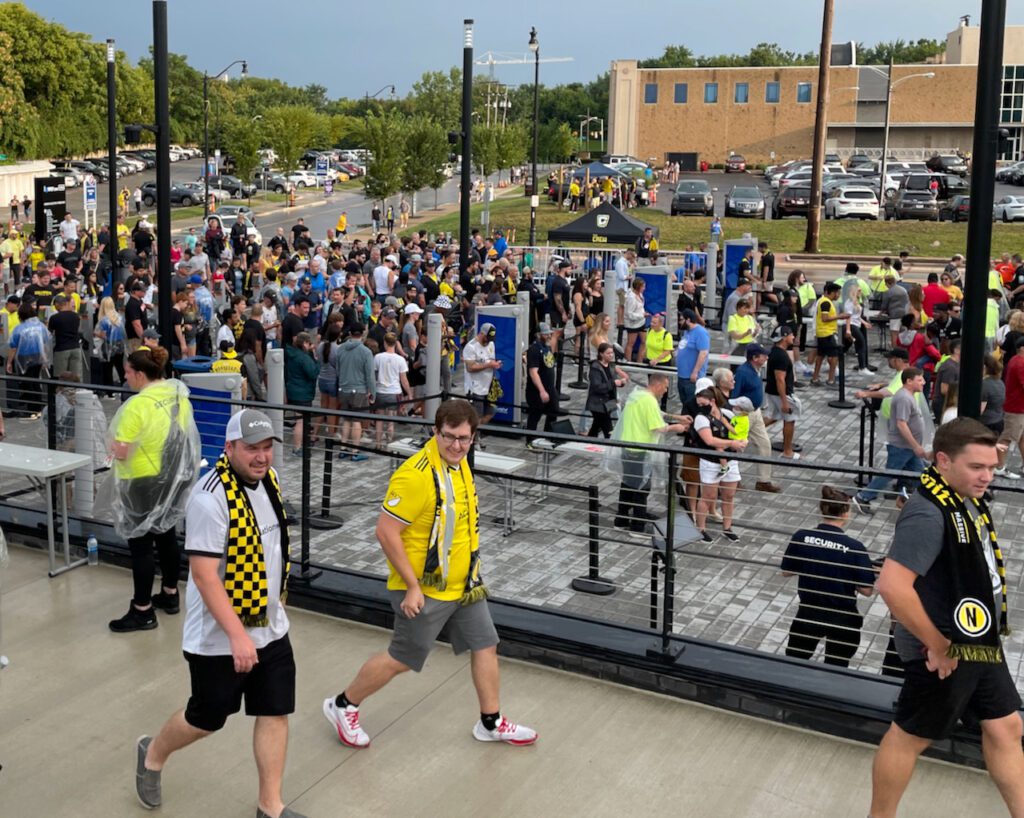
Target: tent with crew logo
605,224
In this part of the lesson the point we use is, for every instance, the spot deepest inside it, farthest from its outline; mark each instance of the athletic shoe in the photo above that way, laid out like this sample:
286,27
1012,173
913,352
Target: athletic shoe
730,535
816,382
359,458
767,486
346,722
285,813
706,538
134,620
147,782
1007,474
867,372
506,731
863,506
168,603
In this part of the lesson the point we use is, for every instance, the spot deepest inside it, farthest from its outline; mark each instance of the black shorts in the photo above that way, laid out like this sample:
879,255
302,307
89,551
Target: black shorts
556,320
484,408
217,690
828,347
929,707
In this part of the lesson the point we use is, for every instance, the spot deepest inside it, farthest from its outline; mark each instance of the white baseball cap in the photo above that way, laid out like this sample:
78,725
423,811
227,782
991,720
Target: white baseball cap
250,426
413,309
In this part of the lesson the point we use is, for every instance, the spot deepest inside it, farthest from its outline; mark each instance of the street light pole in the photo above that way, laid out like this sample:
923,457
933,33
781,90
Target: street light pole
467,142
534,198
114,246
161,109
206,131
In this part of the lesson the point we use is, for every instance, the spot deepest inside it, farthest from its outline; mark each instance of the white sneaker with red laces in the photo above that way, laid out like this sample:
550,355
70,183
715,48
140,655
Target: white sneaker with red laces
506,731
346,722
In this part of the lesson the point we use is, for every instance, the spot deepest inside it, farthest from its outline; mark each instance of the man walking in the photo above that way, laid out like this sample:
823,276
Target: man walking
1013,408
481,366
64,326
541,394
748,384
692,355
945,584
826,322
235,639
429,531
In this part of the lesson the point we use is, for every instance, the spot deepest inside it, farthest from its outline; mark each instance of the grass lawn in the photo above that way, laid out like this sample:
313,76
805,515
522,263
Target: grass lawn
785,236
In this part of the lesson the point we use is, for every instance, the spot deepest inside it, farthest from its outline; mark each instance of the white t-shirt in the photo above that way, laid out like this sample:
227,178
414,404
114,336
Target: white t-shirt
206,531
380,280
69,230
478,383
268,319
856,315
389,367
225,333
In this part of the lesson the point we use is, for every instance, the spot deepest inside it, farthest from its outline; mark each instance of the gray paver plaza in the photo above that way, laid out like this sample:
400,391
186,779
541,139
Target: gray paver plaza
733,593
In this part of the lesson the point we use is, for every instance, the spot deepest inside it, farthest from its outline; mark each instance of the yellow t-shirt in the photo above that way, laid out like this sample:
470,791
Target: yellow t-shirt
955,293
13,246
824,329
123,234
12,321
410,500
446,289
658,343
144,421
641,418
342,224
741,323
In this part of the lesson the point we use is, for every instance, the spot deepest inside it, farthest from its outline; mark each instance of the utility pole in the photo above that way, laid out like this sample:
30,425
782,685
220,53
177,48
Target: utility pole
820,128
979,222
114,248
466,183
161,109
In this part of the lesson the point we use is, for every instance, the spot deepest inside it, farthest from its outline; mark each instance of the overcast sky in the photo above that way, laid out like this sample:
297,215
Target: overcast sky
353,48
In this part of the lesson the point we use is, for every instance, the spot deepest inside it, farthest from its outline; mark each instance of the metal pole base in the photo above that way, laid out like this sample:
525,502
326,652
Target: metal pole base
326,522
669,654
598,586
842,404
304,577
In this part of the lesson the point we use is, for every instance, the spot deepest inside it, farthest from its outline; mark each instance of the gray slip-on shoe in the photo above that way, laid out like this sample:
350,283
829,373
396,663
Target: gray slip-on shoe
147,782
285,813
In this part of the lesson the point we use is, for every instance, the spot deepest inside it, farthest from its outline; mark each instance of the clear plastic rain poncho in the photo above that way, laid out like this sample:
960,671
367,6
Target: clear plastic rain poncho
148,488
30,338
639,469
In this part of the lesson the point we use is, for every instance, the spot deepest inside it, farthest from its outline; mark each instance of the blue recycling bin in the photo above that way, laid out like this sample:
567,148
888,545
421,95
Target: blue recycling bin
200,363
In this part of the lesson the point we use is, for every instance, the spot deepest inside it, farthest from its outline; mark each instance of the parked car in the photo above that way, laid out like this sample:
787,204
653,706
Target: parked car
860,160
735,164
185,194
90,168
947,185
302,178
956,209
353,169
73,177
912,204
614,161
266,180
947,163
229,211
1003,174
101,163
133,161
225,223
1009,209
744,201
146,157
177,153
233,185
629,168
833,159
851,202
693,196
793,200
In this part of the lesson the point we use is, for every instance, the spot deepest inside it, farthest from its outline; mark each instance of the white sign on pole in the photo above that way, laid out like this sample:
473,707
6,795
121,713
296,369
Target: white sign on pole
89,193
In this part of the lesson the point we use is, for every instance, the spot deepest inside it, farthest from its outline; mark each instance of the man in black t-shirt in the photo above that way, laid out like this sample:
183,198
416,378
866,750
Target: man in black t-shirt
541,394
64,325
40,293
689,299
70,258
135,321
561,299
295,321
781,403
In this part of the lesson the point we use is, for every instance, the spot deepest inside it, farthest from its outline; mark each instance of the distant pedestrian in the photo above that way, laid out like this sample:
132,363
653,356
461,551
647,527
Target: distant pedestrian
137,198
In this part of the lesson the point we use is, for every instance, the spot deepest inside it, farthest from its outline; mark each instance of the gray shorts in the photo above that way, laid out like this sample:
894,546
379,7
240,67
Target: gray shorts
469,627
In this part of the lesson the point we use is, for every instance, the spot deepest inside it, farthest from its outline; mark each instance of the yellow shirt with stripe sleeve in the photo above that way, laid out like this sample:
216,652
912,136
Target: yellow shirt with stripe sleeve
411,500
822,328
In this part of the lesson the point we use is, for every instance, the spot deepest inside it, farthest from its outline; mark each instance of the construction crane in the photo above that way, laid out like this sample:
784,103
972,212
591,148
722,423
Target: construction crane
493,58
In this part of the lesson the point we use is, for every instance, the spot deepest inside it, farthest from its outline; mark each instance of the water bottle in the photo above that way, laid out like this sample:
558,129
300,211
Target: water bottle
92,550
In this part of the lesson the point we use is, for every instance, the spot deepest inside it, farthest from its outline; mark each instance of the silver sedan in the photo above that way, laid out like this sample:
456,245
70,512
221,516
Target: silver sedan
1009,209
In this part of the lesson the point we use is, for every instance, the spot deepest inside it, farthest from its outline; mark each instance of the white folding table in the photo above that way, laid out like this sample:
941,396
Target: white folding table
50,467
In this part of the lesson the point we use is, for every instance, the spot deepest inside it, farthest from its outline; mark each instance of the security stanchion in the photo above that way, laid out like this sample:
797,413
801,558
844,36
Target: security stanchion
580,382
325,520
593,582
559,365
866,456
841,402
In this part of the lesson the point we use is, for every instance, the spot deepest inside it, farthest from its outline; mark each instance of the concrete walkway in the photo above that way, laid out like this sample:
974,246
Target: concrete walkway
76,697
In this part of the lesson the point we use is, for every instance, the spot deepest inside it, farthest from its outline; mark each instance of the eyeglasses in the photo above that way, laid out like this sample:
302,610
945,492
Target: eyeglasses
456,440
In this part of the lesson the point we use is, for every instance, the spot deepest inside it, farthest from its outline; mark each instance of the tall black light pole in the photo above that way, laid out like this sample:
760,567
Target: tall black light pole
206,131
534,198
466,182
161,109
112,250
979,222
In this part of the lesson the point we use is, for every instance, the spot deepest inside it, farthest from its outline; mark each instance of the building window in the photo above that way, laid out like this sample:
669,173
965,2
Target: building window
681,91
651,93
771,92
1012,99
803,92
710,92
742,95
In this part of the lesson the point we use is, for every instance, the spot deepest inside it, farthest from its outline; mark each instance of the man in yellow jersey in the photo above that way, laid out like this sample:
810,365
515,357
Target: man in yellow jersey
826,322
429,530
341,228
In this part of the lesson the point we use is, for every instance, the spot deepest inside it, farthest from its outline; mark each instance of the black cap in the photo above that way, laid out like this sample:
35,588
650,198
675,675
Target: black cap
690,315
902,354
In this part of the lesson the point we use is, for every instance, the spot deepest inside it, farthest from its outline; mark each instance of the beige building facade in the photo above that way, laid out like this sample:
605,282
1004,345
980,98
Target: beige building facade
767,114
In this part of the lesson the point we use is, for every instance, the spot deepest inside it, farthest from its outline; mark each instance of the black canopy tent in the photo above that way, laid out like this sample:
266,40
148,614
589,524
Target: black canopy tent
596,170
604,224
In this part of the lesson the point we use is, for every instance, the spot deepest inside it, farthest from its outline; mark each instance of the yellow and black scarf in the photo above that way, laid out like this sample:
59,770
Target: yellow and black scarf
245,571
975,623
442,532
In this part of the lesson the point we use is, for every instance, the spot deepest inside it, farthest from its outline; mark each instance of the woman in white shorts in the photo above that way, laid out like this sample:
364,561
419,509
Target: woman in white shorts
711,432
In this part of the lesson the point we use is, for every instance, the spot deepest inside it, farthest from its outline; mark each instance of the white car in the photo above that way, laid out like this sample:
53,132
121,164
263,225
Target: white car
1009,209
73,177
135,162
227,221
302,178
177,153
851,202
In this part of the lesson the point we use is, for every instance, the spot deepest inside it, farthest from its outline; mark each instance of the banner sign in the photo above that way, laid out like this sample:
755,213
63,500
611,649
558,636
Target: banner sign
51,205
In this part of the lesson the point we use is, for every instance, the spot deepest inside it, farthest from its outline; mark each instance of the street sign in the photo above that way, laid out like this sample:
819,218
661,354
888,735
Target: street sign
89,193
328,186
321,166
3,157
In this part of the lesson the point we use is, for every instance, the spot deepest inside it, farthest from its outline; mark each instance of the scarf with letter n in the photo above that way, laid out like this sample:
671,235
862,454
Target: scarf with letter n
977,623
245,571
442,532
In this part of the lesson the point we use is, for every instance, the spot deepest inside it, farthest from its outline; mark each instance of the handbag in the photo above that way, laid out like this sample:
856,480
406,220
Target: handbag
611,406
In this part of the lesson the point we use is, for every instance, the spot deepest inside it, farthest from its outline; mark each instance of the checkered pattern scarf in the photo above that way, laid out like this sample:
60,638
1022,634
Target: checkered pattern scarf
245,571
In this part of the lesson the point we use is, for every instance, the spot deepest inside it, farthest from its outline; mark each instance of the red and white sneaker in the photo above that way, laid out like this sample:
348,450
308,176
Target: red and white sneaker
506,731
346,722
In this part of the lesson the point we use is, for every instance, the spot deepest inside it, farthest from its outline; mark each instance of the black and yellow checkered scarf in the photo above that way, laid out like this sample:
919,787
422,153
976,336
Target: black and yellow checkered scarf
977,618
245,572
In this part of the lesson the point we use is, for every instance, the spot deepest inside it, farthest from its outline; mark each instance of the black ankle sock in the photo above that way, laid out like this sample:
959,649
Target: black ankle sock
490,720
341,701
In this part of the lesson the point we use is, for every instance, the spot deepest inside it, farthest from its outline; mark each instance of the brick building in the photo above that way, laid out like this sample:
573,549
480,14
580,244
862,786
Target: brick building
767,114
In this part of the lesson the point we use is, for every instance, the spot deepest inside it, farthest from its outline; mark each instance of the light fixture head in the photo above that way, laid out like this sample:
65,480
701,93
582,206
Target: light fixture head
467,33
245,68
534,44
111,57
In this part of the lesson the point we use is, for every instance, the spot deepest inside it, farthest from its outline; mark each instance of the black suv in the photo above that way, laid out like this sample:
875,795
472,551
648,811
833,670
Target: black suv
912,204
233,185
693,196
947,163
792,201
946,184
185,194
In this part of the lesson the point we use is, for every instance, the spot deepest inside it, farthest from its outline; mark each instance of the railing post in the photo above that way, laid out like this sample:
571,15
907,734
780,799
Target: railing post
326,521
593,582
841,402
304,574
668,651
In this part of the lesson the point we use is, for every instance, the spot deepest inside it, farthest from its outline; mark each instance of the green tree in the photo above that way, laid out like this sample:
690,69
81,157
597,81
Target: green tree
512,142
438,95
19,122
900,51
383,135
555,142
674,56
243,140
485,149
426,151
289,131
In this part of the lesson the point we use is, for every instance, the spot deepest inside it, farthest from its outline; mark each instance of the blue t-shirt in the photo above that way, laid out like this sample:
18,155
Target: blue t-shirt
831,566
691,344
319,284
113,332
500,246
748,385
337,280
